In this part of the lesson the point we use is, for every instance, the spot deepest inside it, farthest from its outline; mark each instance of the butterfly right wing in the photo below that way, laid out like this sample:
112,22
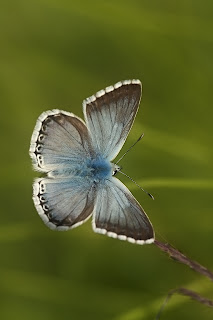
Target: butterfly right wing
64,203
118,214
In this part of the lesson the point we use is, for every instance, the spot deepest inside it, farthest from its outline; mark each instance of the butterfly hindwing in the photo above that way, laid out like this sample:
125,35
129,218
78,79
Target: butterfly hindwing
59,139
63,203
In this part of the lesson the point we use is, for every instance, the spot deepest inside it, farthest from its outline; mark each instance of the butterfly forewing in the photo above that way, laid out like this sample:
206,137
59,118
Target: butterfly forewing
109,116
119,215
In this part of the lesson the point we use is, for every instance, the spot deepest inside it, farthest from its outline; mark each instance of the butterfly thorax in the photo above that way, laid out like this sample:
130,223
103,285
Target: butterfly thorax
99,168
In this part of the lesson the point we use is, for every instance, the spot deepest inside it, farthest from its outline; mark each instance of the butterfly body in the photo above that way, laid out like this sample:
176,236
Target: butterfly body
76,157
95,169
100,169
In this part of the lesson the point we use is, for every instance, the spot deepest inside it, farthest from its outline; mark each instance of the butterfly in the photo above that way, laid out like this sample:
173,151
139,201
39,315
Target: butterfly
80,178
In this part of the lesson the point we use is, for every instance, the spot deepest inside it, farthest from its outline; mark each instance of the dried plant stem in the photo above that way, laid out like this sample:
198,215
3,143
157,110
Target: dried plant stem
185,292
193,295
180,257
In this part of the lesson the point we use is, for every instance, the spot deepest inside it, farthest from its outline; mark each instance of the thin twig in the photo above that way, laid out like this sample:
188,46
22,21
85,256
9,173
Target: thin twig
177,255
184,292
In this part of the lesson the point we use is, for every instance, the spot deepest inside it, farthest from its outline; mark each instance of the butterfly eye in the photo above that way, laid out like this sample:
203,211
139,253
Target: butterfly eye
114,172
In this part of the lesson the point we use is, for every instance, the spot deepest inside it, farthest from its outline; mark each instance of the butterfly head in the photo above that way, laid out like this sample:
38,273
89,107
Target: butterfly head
115,169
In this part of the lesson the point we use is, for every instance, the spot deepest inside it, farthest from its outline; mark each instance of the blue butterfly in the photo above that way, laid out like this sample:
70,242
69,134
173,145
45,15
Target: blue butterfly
77,155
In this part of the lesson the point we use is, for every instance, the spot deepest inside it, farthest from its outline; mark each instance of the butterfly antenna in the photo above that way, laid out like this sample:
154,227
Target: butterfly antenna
130,148
149,194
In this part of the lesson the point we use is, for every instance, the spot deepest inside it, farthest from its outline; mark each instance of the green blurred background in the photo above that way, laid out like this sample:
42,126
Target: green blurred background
53,55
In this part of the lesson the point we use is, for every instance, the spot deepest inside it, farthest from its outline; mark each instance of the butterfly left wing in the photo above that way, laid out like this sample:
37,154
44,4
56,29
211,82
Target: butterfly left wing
63,203
118,214
109,115
59,140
